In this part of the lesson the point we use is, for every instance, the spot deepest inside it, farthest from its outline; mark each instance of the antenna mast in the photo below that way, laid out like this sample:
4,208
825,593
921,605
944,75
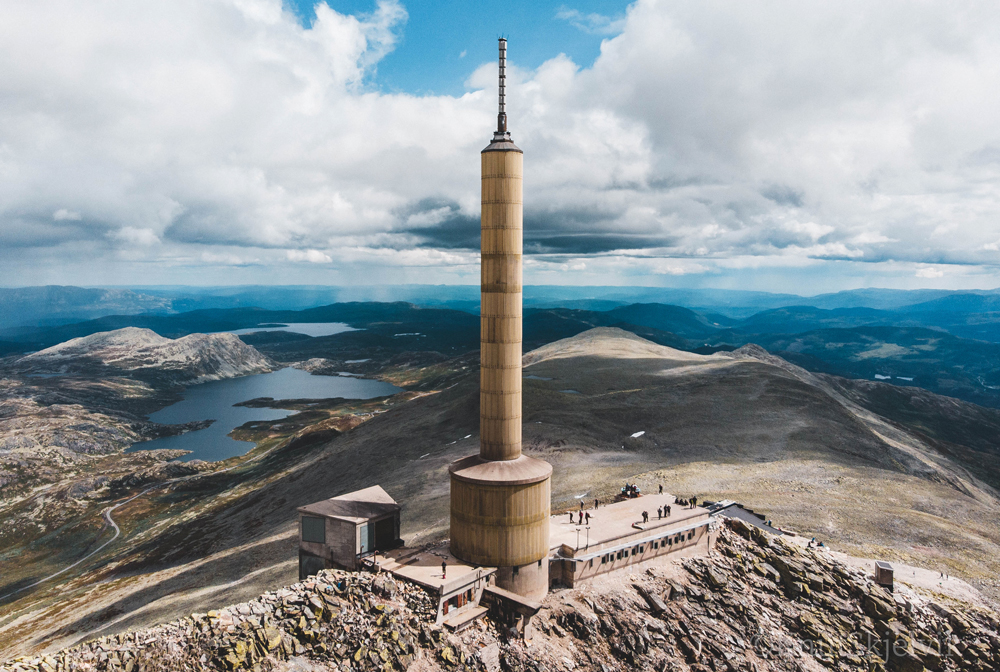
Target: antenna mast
502,133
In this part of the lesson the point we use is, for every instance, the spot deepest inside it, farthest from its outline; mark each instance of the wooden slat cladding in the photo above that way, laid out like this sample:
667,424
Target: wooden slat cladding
500,525
500,320
500,500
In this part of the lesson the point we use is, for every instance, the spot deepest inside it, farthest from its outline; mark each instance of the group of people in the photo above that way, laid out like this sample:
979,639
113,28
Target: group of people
584,515
631,490
689,503
661,513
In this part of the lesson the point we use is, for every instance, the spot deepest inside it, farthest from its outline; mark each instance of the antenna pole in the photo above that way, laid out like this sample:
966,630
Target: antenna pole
502,116
502,133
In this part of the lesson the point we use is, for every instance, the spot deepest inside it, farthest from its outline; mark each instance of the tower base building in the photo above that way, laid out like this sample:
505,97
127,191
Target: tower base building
500,518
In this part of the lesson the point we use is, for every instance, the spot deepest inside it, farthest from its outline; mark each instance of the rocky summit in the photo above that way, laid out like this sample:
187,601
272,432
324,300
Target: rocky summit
759,603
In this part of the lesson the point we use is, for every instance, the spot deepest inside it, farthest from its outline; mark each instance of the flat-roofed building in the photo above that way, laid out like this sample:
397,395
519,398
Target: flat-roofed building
340,531
457,585
617,537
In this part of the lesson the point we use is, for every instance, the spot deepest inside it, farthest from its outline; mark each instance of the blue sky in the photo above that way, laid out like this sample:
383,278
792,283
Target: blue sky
780,146
443,42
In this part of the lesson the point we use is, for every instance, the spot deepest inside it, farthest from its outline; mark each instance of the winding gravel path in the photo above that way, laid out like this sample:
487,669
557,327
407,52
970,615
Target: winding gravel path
107,517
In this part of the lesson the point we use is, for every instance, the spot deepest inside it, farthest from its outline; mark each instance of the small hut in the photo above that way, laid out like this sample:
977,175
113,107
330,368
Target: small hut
340,531
883,574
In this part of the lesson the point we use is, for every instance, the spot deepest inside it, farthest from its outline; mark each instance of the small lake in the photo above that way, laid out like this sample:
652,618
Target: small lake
313,329
214,401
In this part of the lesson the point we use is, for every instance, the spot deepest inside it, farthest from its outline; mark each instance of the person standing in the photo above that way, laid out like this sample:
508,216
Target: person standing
659,513
661,488
444,569
596,502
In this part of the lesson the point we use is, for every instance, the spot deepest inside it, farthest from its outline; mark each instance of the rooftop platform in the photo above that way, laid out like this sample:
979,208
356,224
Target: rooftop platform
619,522
423,567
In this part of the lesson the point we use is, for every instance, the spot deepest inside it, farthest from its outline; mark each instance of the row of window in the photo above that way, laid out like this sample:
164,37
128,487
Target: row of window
641,548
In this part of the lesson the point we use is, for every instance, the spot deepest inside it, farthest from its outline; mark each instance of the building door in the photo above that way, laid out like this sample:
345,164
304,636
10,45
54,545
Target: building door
366,536
385,534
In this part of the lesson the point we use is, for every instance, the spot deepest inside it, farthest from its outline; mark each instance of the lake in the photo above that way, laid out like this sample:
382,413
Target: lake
214,401
313,329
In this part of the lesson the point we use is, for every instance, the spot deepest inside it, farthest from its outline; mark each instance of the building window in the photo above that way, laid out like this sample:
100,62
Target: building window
314,529
591,562
516,570
604,559
539,562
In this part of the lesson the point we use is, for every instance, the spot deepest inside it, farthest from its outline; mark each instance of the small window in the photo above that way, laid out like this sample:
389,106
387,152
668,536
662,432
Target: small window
691,534
642,549
591,562
604,559
516,570
539,562
313,529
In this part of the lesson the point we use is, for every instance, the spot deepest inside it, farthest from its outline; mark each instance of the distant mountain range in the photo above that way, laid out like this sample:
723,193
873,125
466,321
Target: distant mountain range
946,342
52,305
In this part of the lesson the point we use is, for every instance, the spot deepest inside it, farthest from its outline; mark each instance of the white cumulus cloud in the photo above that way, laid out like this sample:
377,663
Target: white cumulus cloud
312,256
227,135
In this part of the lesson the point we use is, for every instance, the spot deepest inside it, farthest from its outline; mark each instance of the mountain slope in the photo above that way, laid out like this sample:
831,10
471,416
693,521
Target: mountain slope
192,359
745,426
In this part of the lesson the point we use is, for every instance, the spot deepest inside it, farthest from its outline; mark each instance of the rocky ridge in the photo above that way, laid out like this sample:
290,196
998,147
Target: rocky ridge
189,360
757,604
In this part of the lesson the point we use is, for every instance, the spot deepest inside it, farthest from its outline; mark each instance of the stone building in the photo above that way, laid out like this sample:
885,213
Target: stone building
339,532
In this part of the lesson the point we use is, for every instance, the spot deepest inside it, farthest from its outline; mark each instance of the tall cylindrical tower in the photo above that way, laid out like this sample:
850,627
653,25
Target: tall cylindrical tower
500,499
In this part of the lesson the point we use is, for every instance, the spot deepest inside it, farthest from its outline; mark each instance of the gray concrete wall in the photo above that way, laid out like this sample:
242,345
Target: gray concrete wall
340,549
531,580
